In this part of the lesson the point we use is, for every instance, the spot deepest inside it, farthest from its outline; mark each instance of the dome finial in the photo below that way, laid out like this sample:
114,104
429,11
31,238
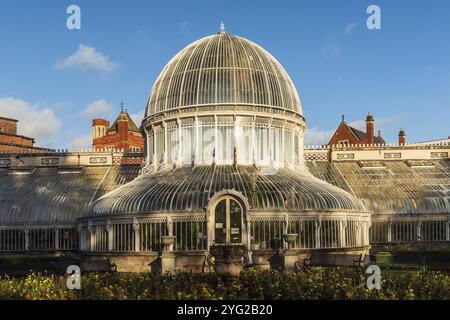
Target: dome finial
222,27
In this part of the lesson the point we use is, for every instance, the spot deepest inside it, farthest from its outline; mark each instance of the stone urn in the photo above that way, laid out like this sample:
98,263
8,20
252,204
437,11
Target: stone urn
289,256
167,241
167,256
290,238
229,260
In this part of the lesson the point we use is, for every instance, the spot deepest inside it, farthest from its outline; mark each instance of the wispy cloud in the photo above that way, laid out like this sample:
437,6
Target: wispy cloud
87,58
315,136
331,48
349,28
83,142
137,117
98,109
35,121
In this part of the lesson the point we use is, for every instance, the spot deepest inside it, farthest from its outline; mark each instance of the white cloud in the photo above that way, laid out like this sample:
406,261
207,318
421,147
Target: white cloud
315,136
332,49
349,28
98,109
137,117
35,121
83,142
87,58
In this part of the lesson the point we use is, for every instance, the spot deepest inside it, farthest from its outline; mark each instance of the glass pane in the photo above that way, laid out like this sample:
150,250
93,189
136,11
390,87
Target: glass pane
235,222
220,222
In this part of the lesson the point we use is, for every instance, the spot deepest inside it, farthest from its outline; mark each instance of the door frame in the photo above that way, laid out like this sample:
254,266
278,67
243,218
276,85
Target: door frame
210,214
227,222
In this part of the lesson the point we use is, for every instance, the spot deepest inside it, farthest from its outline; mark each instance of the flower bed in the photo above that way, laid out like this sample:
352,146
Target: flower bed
252,284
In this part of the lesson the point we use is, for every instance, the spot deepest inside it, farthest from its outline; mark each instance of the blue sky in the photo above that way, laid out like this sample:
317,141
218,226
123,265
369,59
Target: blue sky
400,73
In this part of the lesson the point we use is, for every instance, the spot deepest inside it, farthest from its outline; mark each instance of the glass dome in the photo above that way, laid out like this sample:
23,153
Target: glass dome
223,69
225,100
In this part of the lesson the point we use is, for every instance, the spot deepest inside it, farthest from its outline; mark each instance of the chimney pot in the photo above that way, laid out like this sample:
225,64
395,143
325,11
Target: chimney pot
370,128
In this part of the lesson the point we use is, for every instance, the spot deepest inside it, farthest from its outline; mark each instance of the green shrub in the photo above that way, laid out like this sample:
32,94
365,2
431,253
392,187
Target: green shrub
252,284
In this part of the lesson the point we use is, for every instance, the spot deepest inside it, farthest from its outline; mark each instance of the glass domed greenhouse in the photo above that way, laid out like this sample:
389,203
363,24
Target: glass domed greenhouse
224,164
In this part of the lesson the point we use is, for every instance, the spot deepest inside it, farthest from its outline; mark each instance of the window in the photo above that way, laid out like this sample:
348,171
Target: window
190,235
42,239
379,232
123,237
267,234
150,235
343,143
68,239
12,240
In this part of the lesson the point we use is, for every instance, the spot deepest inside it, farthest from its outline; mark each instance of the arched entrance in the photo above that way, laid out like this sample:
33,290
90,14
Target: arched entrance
228,218
228,221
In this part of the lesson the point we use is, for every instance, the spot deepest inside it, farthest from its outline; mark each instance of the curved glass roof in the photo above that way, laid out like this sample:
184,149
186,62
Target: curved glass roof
56,195
223,69
187,189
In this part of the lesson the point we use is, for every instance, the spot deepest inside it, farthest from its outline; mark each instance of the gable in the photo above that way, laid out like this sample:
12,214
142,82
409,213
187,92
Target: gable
343,132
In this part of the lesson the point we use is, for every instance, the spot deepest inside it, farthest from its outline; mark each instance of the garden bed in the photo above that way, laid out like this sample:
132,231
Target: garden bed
252,284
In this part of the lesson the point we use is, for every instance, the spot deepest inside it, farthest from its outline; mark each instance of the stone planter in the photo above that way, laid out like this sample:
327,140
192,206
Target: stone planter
229,260
289,256
290,238
167,241
167,255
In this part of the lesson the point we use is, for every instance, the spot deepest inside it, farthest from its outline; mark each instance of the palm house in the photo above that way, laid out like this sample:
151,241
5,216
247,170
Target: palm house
224,164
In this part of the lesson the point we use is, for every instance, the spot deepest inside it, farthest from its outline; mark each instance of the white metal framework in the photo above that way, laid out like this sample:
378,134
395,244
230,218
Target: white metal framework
223,69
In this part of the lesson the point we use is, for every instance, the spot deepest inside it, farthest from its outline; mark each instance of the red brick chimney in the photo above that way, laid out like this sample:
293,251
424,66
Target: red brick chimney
401,137
370,128
122,124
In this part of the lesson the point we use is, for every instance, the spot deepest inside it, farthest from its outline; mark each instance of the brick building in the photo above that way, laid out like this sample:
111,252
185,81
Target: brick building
122,135
10,141
346,135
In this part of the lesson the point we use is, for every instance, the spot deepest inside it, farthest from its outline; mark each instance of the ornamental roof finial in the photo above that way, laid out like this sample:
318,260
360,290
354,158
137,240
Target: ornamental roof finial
222,27
121,105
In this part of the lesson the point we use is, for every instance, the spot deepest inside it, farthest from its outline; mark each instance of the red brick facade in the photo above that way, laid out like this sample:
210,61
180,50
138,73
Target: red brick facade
10,141
122,135
8,126
347,135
